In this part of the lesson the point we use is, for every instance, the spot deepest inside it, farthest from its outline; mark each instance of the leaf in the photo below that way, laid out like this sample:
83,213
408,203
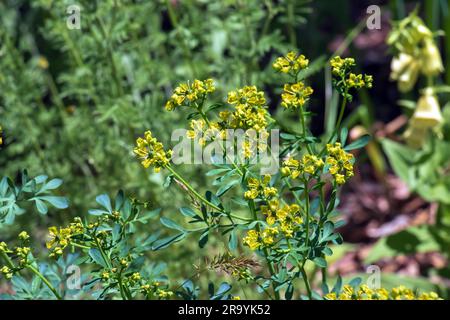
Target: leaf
58,202
409,241
397,155
203,239
40,205
52,184
344,135
355,282
223,189
187,212
328,229
223,289
215,172
97,212
171,224
119,200
321,262
289,292
97,257
104,201
165,242
337,286
360,143
232,240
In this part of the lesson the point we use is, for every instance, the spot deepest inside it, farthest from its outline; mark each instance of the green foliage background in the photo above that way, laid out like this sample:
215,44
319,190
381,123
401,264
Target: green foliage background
106,83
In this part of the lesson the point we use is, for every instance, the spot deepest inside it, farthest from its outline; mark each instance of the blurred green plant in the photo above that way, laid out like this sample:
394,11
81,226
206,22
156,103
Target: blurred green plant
71,100
423,162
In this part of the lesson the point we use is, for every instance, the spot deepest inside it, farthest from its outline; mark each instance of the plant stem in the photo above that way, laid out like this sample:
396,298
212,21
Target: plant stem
7,260
291,30
305,279
306,191
322,216
338,123
302,120
251,205
200,197
45,280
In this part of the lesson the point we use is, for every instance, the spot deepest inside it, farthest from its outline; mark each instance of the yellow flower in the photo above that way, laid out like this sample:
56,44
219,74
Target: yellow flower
250,110
295,95
163,294
291,62
43,62
339,162
341,68
252,240
105,275
268,235
260,188
309,164
7,272
247,149
366,293
339,65
24,236
426,117
151,152
3,247
187,93
136,276
405,70
330,296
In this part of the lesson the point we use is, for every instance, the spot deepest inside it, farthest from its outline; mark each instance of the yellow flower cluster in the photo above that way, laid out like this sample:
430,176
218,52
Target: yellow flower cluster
287,216
341,68
154,289
260,188
151,152
309,164
417,52
204,132
282,219
188,93
7,272
21,253
340,163
295,95
339,65
365,293
60,238
255,239
359,81
291,62
250,110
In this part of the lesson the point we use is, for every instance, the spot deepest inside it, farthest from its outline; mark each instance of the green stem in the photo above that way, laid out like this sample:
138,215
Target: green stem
7,260
302,120
338,123
305,279
291,30
200,197
44,279
251,205
306,191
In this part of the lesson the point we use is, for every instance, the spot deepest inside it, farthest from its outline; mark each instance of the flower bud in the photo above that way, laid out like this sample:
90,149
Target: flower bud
428,113
432,61
405,69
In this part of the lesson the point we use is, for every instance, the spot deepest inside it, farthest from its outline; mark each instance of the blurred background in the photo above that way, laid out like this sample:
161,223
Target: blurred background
73,101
